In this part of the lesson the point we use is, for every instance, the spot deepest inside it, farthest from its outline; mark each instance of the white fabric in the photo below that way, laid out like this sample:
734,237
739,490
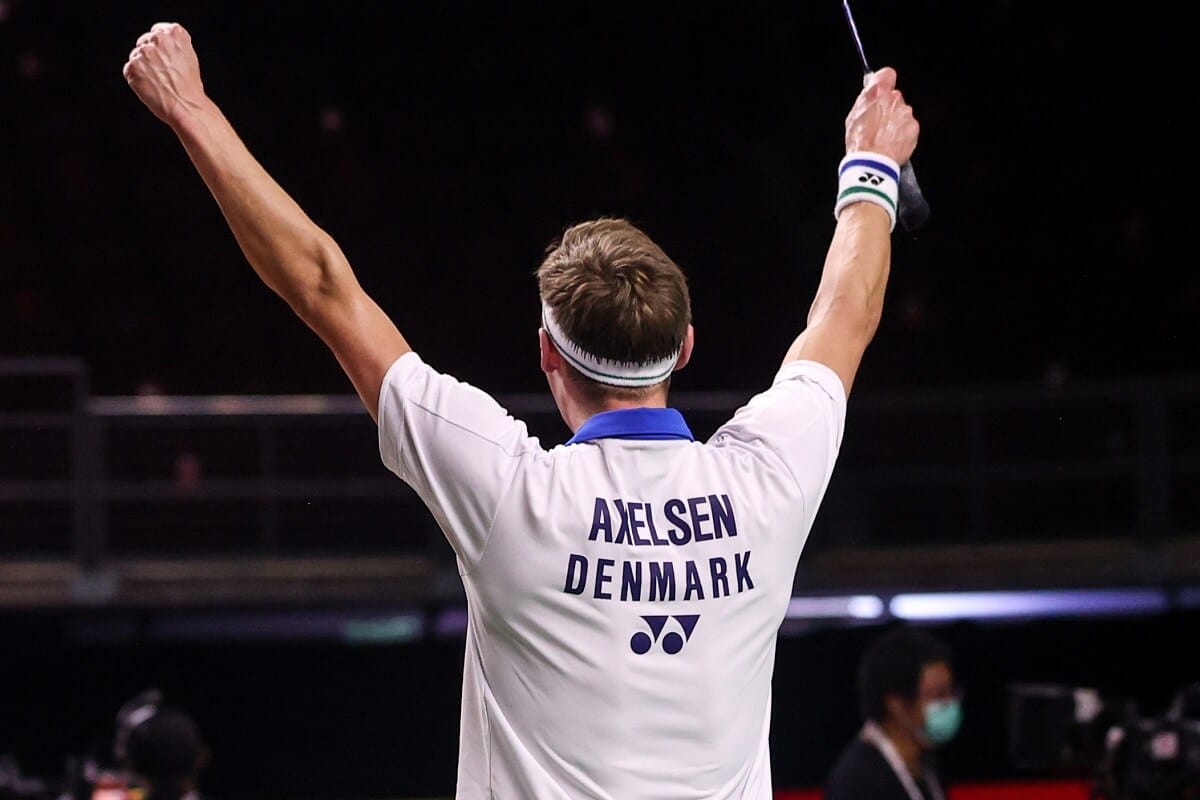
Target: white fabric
557,701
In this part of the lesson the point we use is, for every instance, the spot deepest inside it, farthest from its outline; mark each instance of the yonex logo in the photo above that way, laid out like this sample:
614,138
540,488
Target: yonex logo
672,642
871,178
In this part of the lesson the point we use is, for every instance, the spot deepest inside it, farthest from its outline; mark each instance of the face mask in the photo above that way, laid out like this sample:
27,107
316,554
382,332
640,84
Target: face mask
942,720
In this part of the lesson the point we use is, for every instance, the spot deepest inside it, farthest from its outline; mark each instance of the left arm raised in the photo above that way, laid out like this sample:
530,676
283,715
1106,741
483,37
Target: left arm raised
291,254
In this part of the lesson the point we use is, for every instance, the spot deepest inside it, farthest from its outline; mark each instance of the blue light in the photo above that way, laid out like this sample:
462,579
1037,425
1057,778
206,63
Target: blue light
1026,604
384,630
861,606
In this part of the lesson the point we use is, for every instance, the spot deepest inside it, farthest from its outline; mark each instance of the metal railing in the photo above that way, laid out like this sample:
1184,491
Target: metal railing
284,475
75,489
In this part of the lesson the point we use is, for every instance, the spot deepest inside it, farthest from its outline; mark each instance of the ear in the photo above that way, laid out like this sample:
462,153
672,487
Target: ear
685,350
896,706
551,360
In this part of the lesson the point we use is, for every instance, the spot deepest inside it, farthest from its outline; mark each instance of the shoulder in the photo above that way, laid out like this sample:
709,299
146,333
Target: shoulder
859,768
424,411
799,418
856,755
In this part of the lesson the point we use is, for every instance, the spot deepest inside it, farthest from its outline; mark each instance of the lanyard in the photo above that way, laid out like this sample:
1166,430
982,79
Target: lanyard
873,734
634,423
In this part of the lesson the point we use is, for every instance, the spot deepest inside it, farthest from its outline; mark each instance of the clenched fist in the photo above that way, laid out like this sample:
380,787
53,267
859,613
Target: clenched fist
164,72
880,121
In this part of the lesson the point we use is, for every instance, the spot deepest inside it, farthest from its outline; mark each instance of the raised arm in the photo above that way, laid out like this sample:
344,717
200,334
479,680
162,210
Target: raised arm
849,302
293,256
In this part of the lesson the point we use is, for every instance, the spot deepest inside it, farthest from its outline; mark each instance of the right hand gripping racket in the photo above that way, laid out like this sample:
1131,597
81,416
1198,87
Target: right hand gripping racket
913,210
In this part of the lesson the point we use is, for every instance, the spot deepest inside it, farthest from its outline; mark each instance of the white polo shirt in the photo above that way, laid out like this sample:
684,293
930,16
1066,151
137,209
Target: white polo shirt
624,592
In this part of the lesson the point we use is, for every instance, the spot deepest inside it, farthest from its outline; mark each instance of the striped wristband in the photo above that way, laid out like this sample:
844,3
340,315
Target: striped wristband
868,177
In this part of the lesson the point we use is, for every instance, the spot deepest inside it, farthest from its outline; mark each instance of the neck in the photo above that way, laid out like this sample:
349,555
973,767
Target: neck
905,743
580,413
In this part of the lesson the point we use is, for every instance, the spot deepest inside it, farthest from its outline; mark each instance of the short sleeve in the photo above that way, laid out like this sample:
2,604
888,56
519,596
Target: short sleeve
796,425
454,445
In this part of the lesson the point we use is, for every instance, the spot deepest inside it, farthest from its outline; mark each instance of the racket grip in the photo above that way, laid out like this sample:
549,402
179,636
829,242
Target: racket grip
914,209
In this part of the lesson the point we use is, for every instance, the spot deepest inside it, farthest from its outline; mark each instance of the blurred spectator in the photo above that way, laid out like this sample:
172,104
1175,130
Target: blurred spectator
910,706
161,747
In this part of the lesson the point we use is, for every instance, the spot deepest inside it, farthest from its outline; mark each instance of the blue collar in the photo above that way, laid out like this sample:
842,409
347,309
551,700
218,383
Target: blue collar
634,423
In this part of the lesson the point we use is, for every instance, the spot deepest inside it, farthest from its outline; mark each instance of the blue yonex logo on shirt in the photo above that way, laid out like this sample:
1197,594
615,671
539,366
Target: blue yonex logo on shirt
672,643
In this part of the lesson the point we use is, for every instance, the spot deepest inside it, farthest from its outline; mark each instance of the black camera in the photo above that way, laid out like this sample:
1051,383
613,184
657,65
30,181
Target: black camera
1075,731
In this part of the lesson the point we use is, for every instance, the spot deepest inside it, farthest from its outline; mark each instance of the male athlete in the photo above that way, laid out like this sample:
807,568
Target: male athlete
624,590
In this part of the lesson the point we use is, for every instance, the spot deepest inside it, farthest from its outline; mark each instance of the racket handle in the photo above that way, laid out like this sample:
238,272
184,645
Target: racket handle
914,210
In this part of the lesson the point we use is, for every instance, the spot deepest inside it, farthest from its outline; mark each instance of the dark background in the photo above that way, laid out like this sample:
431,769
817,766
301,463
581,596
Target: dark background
330,721
471,134
444,145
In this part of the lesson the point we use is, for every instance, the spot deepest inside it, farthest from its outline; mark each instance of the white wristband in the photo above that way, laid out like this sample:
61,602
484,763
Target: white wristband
871,178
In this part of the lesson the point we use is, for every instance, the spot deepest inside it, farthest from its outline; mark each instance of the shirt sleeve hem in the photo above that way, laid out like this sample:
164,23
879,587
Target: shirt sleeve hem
391,396
817,372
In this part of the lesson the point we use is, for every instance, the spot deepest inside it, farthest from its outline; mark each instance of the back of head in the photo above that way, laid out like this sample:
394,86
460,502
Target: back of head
893,664
616,295
166,750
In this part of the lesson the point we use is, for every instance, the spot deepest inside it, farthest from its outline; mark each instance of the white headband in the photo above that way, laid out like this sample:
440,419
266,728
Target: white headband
604,370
